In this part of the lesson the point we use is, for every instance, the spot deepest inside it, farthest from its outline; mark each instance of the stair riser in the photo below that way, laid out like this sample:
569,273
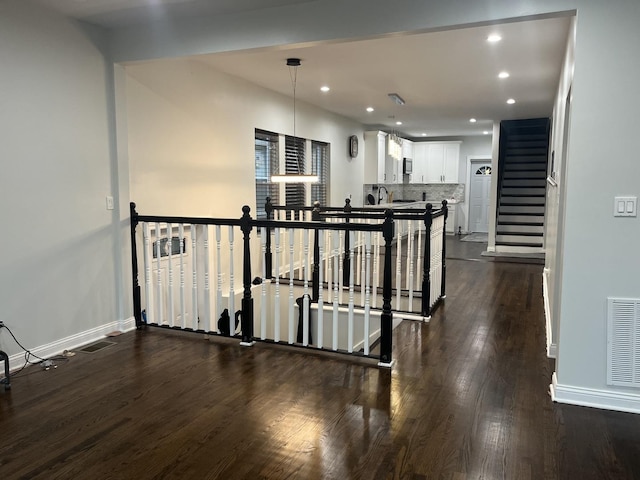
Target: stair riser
516,229
517,209
526,144
514,175
526,151
523,191
520,219
516,167
525,183
523,239
530,201
525,158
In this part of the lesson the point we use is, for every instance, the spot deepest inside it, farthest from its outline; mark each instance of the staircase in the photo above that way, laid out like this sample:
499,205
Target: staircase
524,148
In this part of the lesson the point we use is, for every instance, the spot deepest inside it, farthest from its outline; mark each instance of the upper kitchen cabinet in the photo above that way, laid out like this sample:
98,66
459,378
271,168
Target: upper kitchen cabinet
407,149
394,159
436,162
375,157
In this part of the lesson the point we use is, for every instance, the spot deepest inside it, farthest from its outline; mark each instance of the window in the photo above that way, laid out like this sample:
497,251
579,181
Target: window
483,171
268,162
320,167
295,193
266,165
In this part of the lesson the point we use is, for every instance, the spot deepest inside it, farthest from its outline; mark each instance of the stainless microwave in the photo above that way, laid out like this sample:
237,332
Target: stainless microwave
407,166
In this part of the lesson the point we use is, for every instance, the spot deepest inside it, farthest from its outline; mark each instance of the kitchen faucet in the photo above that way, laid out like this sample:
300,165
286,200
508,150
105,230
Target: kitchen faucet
380,193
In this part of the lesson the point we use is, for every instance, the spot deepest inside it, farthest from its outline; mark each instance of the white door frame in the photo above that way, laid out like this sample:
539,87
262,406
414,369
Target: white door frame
467,190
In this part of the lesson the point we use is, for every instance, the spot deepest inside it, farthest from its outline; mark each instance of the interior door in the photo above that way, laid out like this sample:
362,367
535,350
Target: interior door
479,196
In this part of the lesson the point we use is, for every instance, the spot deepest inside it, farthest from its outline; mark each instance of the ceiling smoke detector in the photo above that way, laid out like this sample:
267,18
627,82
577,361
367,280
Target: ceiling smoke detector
397,99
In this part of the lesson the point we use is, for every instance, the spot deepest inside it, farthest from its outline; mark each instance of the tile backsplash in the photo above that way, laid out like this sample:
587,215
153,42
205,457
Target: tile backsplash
434,192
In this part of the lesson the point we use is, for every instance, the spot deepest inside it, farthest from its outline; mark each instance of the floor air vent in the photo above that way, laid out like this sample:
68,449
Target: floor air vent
623,342
94,347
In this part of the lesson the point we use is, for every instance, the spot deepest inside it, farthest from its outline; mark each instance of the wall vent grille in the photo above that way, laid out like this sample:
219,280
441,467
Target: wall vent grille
623,342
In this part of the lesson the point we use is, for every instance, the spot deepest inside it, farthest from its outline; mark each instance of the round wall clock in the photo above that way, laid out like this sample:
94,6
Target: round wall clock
353,146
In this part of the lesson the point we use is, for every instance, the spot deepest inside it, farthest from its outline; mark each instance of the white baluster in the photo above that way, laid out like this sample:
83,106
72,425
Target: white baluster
376,270
361,277
170,313
320,336
206,323
301,242
219,269
159,295
263,310
336,285
409,282
329,264
194,284
232,281
305,297
148,292
291,299
276,314
419,264
351,293
398,266
367,295
340,267
183,308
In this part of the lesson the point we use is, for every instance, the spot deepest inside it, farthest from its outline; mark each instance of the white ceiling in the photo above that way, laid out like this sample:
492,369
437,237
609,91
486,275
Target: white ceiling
445,77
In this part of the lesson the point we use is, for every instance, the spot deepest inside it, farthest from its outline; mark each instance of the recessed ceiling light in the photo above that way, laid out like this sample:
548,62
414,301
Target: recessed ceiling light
511,101
503,75
424,134
369,109
493,38
472,120
398,123
325,88
485,132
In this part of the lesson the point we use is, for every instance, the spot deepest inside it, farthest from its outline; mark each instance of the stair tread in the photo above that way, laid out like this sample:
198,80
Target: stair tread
519,244
523,224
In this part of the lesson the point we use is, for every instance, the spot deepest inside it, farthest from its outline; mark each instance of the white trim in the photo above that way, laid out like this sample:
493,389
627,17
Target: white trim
73,341
471,159
591,397
552,348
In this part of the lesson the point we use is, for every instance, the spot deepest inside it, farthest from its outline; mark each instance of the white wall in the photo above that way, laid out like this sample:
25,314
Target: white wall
600,253
556,189
61,262
191,139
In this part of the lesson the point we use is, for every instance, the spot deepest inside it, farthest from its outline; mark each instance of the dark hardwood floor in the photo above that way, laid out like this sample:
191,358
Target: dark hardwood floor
466,399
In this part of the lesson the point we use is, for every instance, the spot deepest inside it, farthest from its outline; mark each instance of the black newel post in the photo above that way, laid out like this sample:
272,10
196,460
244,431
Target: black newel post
247,301
346,267
444,248
268,259
137,300
426,270
315,290
386,319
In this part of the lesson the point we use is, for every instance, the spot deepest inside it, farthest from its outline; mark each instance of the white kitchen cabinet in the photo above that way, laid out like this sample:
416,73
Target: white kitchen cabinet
436,162
394,160
419,163
407,149
375,157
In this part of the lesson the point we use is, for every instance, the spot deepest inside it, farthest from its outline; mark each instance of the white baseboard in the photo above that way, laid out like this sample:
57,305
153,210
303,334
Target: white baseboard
73,341
552,348
591,397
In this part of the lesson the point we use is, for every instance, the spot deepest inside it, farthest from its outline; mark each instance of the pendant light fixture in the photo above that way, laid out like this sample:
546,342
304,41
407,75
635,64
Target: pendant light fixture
300,176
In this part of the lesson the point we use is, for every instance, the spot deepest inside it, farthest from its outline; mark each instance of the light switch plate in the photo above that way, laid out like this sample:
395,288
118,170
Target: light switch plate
109,203
625,207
